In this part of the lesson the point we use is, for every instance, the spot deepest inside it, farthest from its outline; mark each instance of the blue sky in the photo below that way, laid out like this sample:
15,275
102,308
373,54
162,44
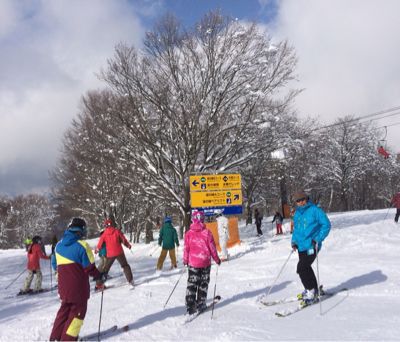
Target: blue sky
51,51
191,11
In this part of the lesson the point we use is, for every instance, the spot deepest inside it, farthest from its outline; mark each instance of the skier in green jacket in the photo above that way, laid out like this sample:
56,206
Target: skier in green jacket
168,238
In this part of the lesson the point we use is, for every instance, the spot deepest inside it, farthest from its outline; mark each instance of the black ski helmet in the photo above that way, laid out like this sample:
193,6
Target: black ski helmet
36,239
77,225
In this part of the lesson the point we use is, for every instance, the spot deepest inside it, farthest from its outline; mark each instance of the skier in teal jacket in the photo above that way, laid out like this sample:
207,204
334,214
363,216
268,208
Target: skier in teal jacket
168,238
311,227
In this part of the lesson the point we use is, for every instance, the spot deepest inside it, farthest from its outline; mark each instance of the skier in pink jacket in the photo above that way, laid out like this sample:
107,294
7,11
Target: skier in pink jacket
197,253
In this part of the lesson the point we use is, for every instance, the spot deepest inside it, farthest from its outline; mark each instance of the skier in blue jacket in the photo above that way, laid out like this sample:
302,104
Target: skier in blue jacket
311,227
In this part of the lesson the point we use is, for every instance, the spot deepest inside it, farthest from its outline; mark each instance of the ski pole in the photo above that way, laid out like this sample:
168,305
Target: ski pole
154,250
184,270
387,213
284,265
15,279
215,290
51,276
101,311
319,291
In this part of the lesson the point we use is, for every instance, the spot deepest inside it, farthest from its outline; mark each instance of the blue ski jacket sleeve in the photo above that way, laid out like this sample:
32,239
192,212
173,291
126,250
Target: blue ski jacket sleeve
310,223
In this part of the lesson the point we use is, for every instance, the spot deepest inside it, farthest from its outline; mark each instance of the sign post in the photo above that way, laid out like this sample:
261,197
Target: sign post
216,193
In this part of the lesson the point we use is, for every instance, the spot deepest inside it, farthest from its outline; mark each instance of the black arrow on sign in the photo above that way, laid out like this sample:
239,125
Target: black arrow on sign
236,197
195,182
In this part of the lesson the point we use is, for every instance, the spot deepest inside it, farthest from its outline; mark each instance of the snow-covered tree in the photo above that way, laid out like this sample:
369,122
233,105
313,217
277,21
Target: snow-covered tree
197,99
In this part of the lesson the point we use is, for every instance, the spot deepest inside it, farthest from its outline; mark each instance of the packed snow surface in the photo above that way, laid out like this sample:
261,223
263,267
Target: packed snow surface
361,254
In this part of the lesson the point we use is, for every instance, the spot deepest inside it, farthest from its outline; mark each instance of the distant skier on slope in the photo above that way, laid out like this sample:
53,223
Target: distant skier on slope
168,238
198,250
114,239
278,218
258,218
396,203
311,227
75,263
35,253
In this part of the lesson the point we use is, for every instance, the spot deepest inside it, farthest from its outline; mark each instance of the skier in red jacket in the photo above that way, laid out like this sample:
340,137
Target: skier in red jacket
114,239
396,203
35,253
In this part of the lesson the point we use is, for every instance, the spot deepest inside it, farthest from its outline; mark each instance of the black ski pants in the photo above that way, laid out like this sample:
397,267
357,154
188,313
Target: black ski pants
396,218
305,270
259,231
197,287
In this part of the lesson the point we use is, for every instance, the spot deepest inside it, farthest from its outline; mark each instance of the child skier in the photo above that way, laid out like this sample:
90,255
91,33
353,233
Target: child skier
35,253
279,219
102,254
198,250
114,239
168,238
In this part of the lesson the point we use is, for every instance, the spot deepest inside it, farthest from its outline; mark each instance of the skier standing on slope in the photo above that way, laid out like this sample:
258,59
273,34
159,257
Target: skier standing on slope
198,250
396,203
35,253
102,254
279,219
258,218
223,235
311,227
114,239
168,238
75,263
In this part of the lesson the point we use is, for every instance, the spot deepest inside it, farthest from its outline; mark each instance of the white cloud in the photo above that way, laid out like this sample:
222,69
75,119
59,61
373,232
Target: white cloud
8,17
348,56
50,53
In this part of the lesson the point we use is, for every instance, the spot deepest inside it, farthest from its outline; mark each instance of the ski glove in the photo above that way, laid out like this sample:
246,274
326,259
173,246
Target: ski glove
101,278
294,247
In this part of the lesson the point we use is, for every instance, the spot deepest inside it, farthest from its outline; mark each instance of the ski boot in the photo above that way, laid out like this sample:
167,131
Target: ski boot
310,297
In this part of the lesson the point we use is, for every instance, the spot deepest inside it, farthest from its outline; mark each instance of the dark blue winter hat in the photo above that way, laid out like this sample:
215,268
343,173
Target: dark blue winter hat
167,219
77,225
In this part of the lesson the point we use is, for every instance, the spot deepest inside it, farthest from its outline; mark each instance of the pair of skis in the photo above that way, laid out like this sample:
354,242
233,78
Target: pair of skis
32,293
198,313
104,333
287,312
114,330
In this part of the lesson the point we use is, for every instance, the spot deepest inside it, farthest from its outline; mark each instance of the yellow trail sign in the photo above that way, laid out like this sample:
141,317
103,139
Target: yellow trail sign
215,182
216,198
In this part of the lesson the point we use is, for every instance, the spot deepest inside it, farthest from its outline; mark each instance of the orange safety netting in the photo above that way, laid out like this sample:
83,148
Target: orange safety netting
234,237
